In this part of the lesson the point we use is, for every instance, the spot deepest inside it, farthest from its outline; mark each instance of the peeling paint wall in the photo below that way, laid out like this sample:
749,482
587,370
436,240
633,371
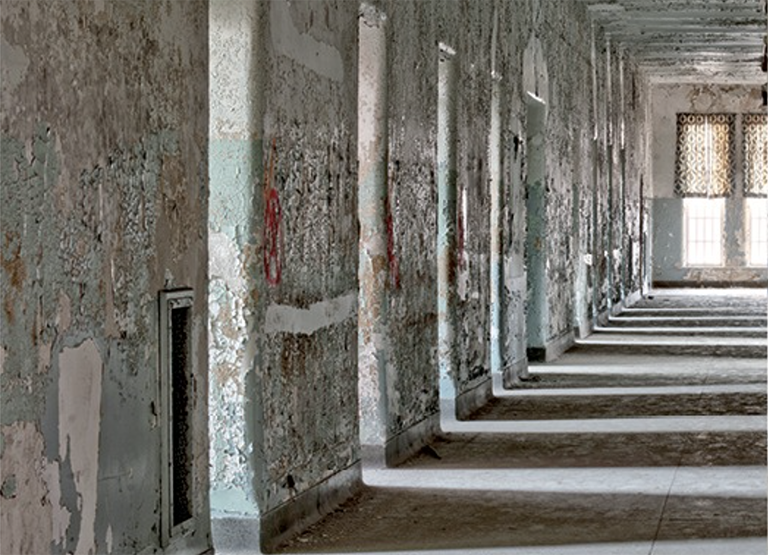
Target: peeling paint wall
377,266
414,31
292,121
107,150
473,328
103,197
412,100
569,65
310,379
545,48
283,262
637,134
234,262
667,208
604,170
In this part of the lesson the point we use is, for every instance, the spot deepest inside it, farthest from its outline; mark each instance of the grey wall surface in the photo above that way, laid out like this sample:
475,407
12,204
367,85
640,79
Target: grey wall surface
300,93
667,208
235,261
283,257
103,202
530,53
107,152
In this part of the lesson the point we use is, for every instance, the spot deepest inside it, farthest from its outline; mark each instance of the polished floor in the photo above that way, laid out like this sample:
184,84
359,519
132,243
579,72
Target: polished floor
649,442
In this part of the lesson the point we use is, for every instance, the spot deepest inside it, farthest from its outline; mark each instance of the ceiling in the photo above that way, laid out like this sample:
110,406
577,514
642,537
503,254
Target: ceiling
717,41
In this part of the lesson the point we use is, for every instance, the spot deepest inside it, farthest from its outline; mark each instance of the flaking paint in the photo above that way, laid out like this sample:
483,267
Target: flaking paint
102,201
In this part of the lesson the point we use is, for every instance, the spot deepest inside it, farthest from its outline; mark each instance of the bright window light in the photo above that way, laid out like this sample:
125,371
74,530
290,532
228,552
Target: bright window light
757,231
703,231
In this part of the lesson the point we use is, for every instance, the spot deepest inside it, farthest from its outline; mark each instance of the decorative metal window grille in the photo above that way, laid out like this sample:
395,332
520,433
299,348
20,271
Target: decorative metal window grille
705,155
755,130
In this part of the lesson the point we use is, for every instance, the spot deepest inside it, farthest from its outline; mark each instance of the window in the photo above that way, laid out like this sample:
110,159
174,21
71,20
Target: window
757,231
704,174
705,155
702,233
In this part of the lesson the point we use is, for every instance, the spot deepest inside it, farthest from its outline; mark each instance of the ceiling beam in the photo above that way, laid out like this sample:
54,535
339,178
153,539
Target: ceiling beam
684,46
687,39
676,4
645,26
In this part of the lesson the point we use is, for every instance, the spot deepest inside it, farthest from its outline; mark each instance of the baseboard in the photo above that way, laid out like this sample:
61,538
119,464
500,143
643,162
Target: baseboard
309,507
714,284
603,318
469,401
629,300
403,445
632,298
515,373
553,349
583,329
411,440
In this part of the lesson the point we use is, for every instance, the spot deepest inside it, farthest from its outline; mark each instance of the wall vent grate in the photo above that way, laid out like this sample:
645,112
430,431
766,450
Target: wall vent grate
177,402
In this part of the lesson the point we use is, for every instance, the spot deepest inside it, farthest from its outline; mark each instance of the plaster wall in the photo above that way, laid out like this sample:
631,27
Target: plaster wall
235,170
412,391
566,50
104,184
267,364
667,208
540,47
283,226
414,30
103,201
595,127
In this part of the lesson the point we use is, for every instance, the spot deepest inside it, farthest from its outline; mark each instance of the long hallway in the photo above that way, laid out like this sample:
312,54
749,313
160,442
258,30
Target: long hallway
251,246
648,437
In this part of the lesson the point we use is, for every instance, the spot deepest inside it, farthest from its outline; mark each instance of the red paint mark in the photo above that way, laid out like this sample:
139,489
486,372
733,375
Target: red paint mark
273,232
394,264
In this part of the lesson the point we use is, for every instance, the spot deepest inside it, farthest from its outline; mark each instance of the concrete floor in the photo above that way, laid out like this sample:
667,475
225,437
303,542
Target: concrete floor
609,450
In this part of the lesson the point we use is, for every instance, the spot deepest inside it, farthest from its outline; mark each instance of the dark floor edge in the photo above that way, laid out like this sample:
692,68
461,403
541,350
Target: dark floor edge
411,440
631,299
553,349
516,373
469,401
604,316
709,285
309,507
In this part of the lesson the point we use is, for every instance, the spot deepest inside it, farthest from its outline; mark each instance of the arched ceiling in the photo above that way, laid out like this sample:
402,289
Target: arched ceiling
717,41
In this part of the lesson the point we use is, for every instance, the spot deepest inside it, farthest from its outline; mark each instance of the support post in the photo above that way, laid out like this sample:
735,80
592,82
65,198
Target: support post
373,330
446,229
